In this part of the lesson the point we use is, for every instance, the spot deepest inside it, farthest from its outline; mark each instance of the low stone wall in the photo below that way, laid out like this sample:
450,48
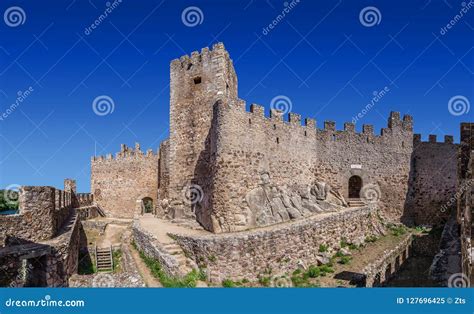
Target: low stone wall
63,261
43,211
88,212
248,254
381,270
150,246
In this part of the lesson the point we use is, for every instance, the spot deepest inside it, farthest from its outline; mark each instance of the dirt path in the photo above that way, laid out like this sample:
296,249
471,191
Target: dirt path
147,276
112,235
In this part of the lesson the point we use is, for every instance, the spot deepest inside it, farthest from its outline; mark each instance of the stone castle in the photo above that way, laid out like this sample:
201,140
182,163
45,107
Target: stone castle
226,158
239,193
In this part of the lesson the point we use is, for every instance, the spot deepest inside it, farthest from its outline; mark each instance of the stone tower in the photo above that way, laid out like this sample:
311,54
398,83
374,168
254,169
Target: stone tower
196,84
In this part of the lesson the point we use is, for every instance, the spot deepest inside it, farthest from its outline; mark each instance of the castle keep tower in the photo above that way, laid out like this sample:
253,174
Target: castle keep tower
196,84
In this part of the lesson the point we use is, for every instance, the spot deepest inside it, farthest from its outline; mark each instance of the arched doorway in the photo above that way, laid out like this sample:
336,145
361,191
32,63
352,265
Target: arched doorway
355,185
147,205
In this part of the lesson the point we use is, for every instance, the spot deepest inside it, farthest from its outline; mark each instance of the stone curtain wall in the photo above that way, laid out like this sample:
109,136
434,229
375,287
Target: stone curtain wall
117,183
196,83
246,145
249,254
84,199
466,199
164,170
43,210
434,180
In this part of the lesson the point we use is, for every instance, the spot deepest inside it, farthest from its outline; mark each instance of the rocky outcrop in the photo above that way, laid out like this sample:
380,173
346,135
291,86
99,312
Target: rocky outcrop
270,204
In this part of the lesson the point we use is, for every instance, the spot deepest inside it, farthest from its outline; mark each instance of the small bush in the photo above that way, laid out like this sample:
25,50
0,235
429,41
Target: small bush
344,243
314,272
323,248
345,260
227,283
398,230
325,269
265,281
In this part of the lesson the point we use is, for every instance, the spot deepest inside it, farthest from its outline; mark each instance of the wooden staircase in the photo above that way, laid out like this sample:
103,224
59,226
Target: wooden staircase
356,202
104,259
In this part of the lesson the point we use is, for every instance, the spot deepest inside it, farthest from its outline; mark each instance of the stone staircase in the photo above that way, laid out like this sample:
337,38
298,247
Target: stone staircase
356,202
174,250
104,259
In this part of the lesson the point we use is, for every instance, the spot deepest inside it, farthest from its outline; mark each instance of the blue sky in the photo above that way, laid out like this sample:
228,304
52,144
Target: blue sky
320,55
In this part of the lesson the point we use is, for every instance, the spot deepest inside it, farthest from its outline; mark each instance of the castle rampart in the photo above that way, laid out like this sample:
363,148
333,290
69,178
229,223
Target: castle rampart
433,180
118,182
248,144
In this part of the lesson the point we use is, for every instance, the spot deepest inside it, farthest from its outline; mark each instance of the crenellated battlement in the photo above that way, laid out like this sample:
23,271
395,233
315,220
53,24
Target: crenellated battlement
294,121
432,139
187,62
127,153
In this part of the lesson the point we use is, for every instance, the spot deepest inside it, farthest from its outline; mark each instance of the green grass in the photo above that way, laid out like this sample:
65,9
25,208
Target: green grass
227,283
345,260
117,258
305,279
323,248
265,280
398,230
188,281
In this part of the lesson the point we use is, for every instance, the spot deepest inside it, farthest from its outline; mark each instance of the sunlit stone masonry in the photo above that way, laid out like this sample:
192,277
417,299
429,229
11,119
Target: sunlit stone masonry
238,193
